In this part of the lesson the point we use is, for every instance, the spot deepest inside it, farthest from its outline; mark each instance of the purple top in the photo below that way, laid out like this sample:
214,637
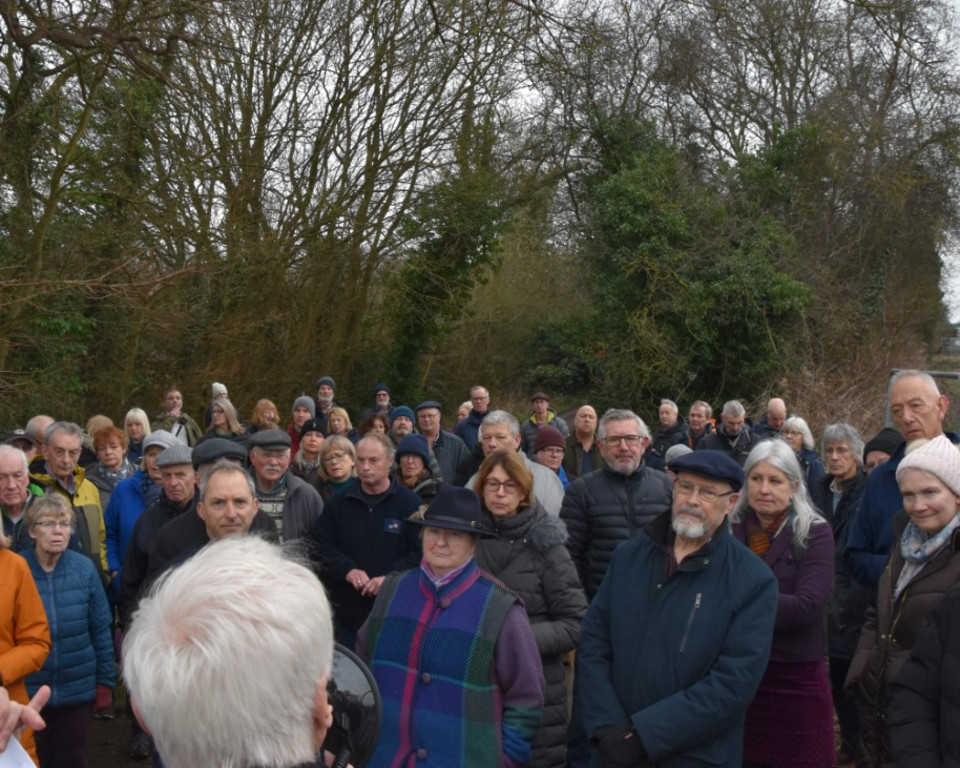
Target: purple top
805,587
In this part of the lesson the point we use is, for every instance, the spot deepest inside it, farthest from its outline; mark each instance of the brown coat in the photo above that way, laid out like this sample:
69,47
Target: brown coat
889,633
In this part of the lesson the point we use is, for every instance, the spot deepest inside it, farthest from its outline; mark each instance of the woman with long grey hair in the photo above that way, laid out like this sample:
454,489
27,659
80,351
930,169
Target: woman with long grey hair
790,721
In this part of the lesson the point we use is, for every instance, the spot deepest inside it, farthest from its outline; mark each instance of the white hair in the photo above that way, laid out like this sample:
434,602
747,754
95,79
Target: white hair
799,424
801,514
928,381
12,452
224,464
734,409
224,657
708,409
67,427
844,433
620,414
501,417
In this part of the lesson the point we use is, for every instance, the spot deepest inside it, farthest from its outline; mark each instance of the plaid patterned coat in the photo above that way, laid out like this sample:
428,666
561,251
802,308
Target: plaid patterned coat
458,671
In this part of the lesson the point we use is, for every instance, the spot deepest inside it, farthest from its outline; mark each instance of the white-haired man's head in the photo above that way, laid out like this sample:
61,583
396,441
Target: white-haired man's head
227,659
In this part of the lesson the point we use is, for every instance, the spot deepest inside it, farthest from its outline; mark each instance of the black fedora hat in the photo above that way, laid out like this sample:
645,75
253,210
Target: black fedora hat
453,509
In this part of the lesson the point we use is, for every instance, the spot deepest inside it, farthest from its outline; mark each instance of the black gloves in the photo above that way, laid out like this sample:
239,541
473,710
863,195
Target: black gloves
620,747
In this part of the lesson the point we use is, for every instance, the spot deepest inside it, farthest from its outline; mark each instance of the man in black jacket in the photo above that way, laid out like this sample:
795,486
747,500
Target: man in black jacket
361,536
671,431
733,437
179,483
837,496
614,503
226,506
675,643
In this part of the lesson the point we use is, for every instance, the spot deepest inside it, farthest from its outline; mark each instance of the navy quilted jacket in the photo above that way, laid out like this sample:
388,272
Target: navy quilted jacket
81,651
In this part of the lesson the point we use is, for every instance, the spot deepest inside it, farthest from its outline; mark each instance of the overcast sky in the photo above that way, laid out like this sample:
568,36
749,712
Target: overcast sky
951,281
951,255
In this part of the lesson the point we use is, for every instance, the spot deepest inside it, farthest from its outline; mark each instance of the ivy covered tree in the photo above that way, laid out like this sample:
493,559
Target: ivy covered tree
454,230
687,297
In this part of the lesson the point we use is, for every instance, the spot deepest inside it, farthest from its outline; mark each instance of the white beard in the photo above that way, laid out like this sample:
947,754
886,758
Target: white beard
686,527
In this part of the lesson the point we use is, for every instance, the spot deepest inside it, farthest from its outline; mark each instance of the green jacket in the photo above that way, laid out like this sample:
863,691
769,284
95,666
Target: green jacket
174,425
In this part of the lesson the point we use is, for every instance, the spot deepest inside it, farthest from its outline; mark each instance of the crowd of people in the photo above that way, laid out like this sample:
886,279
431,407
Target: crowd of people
713,591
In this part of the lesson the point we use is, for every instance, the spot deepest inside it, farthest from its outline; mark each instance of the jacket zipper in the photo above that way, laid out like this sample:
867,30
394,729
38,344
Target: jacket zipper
693,614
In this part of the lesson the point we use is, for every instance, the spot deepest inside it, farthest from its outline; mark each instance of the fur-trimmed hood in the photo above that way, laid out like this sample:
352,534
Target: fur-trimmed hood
547,531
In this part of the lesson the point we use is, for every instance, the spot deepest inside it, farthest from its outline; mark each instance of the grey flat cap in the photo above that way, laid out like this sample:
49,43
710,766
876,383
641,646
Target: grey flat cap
174,455
160,437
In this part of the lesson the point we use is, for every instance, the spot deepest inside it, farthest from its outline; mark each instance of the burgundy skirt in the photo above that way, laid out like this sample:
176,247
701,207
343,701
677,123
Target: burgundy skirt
790,720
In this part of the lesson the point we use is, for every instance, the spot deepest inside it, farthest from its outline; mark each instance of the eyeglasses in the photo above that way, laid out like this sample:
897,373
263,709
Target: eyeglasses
631,440
52,525
493,485
335,458
552,451
688,489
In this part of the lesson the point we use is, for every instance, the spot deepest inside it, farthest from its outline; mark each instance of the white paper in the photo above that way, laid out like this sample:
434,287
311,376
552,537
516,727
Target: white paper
15,756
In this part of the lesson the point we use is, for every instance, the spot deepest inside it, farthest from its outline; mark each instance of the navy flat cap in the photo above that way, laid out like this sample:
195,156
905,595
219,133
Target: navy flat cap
712,464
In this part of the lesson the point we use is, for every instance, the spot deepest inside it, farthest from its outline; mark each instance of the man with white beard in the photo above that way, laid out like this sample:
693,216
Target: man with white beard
677,638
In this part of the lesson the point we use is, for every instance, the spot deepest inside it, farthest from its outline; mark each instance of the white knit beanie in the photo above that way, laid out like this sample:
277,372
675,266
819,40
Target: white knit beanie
217,389
939,457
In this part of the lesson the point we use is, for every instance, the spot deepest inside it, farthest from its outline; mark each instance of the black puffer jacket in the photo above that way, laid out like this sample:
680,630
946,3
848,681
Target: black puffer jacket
738,450
889,633
137,559
665,437
604,508
850,599
925,697
529,557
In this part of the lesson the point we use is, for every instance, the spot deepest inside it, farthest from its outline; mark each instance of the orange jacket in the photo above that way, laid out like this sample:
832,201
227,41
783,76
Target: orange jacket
24,634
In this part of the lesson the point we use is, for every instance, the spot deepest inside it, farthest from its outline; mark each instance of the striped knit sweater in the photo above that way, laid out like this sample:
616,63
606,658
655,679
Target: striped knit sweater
458,671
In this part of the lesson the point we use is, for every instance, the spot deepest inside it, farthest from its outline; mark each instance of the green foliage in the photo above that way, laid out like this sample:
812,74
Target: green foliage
686,292
862,234
272,190
49,357
456,226
559,357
